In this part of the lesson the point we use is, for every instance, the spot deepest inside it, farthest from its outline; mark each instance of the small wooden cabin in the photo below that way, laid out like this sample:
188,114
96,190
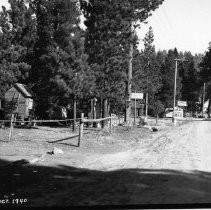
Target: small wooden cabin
19,100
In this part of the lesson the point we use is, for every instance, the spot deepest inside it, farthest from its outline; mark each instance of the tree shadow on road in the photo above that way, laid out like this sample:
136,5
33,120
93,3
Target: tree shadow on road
71,186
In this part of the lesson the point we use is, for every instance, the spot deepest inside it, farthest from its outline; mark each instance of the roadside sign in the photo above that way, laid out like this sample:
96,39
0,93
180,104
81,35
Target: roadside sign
182,103
178,113
137,95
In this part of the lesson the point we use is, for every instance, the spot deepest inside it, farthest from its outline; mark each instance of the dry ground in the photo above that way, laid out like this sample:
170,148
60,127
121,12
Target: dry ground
131,166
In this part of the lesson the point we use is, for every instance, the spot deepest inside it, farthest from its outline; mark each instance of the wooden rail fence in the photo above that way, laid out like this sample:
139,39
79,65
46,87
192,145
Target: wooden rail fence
82,121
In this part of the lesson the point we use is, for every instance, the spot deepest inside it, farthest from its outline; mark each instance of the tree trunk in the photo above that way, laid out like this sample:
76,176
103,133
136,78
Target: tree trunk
146,110
128,87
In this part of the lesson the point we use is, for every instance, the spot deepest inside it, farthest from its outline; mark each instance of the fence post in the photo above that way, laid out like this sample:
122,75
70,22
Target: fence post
11,127
81,129
110,126
74,113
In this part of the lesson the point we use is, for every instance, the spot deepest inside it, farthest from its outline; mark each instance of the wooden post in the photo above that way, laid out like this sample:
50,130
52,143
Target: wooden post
11,127
94,111
81,129
156,119
74,113
110,124
105,112
135,110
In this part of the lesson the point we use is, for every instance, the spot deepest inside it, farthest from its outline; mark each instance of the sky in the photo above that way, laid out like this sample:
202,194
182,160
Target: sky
184,24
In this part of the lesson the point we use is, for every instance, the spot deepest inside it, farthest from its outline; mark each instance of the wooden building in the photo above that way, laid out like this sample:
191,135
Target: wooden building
19,101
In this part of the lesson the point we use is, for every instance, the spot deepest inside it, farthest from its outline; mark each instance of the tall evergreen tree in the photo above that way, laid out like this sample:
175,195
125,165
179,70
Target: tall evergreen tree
190,81
60,71
205,74
168,74
205,65
147,76
16,41
109,38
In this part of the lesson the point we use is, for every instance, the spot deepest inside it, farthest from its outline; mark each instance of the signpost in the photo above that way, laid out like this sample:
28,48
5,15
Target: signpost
182,103
136,96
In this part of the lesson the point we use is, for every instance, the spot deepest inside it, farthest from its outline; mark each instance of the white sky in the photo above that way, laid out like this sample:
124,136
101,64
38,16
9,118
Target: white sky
185,24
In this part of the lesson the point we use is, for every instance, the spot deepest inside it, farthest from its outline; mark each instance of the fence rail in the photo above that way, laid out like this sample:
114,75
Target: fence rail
85,120
38,121
80,123
97,120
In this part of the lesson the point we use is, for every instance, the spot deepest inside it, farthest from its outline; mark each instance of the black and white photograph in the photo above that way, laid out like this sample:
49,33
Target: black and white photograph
105,104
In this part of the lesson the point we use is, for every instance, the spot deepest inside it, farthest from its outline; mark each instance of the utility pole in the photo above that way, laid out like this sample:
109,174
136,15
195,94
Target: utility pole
175,89
203,101
147,94
135,109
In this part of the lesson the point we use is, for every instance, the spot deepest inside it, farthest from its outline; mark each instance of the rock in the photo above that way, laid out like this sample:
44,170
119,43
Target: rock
154,129
148,127
57,151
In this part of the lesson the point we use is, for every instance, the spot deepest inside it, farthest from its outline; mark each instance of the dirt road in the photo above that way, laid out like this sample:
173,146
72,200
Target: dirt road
185,147
203,137
171,166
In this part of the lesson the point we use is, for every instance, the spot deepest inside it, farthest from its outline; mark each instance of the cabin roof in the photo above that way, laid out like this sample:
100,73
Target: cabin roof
23,89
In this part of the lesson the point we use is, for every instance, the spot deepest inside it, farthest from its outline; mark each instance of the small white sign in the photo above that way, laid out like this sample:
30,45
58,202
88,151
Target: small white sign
178,114
137,95
182,103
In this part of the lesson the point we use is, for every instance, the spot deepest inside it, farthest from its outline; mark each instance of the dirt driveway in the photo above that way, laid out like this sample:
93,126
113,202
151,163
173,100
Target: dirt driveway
134,167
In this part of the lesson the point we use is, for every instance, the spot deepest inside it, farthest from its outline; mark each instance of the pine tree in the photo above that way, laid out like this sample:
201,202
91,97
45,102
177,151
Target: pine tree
17,30
109,40
205,65
205,74
147,76
168,74
60,71
190,81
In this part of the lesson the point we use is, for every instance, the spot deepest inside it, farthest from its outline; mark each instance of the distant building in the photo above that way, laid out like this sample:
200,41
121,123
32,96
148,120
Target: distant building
178,112
19,100
206,104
